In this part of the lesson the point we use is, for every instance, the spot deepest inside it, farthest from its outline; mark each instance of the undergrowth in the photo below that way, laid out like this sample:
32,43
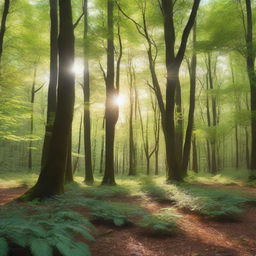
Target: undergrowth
161,223
206,201
119,214
42,231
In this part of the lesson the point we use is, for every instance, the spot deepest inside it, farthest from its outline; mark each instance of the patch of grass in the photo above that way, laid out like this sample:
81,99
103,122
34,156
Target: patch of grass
18,179
102,192
224,177
161,223
206,201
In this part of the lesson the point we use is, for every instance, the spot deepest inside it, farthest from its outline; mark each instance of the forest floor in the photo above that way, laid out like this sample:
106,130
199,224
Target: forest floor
197,235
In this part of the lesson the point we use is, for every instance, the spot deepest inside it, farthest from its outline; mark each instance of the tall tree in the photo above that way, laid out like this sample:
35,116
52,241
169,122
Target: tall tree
87,118
189,132
172,133
250,59
52,175
112,91
173,63
130,76
52,89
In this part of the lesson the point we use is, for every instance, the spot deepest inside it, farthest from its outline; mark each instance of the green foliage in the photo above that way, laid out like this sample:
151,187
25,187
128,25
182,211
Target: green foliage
225,177
116,213
149,187
45,230
215,203
162,223
3,246
119,214
106,191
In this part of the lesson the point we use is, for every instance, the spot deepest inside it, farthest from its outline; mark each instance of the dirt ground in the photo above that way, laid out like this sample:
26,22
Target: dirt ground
196,237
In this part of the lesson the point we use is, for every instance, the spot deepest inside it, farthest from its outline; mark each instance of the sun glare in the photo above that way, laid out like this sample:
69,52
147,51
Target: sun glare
78,69
120,100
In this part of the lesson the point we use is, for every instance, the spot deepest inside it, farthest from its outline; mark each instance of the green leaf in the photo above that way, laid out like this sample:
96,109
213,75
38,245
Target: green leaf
40,247
3,246
119,222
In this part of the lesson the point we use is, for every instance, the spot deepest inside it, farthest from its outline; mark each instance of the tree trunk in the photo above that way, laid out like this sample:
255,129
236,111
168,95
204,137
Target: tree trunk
52,89
51,178
189,131
102,146
69,172
132,170
250,59
32,100
87,119
76,162
237,147
194,155
173,63
111,108
3,25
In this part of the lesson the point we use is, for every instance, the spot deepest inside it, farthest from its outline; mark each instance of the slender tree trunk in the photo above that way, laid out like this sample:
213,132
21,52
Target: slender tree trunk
214,118
250,58
76,162
237,147
102,146
194,155
209,161
32,101
94,147
189,131
3,26
51,178
247,156
132,170
111,108
87,119
52,89
69,172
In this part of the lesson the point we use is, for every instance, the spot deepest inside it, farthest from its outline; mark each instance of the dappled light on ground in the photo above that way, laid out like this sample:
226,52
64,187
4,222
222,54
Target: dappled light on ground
195,235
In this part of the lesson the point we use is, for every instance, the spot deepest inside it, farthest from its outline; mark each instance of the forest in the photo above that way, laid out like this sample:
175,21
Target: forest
127,128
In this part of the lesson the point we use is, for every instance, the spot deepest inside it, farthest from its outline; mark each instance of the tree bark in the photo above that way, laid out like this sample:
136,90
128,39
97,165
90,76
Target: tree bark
194,155
51,178
250,60
52,89
32,100
111,108
87,119
187,145
3,25
173,62
69,172
76,162
132,170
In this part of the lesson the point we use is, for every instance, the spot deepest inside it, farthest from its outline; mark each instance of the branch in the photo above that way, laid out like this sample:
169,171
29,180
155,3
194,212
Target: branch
38,89
78,20
150,86
138,26
103,72
186,32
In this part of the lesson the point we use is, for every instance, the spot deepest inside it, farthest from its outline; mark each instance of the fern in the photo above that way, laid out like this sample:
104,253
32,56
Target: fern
45,231
3,246
162,223
40,247
209,202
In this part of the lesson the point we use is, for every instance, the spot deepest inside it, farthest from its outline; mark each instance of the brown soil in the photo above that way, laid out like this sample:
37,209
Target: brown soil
8,194
196,237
